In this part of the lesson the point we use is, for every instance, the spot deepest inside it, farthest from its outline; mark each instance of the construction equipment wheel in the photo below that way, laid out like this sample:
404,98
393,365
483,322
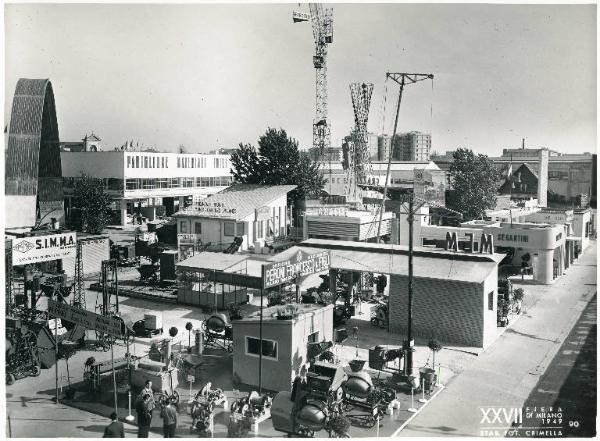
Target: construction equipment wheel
10,379
175,398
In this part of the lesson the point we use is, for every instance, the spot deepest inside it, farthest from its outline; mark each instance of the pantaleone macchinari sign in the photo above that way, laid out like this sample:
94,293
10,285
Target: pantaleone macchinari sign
85,318
214,209
43,248
301,264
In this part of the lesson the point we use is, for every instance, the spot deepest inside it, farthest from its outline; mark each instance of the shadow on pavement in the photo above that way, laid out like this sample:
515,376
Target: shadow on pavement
573,369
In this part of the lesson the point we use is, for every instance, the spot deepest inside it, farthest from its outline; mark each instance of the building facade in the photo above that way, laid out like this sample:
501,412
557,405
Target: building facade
255,213
285,344
412,146
140,179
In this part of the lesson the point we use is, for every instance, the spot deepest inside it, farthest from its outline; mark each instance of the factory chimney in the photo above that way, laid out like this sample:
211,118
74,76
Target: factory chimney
543,177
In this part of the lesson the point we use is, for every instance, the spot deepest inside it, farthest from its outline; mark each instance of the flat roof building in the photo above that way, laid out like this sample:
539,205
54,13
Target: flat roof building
147,178
455,293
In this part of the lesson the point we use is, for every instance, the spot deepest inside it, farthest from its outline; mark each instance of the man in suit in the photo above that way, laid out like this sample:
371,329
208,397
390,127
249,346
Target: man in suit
114,429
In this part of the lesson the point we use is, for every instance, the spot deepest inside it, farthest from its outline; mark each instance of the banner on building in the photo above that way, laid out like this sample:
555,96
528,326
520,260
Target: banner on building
85,318
210,208
300,265
35,249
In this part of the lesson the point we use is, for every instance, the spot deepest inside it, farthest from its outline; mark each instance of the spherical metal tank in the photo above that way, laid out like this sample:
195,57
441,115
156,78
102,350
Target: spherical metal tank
281,412
359,384
312,416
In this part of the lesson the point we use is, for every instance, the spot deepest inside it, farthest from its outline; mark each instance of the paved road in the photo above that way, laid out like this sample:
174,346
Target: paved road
505,374
568,385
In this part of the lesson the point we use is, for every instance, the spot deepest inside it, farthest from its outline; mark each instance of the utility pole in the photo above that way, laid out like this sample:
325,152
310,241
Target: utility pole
402,79
413,207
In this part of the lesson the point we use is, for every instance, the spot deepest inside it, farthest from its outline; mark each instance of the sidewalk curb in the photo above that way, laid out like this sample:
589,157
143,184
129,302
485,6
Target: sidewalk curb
405,423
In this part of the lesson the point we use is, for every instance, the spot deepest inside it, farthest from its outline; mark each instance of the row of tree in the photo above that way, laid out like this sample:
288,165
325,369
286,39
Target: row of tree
278,161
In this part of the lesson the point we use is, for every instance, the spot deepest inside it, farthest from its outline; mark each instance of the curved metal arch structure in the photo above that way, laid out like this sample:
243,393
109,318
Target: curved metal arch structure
33,175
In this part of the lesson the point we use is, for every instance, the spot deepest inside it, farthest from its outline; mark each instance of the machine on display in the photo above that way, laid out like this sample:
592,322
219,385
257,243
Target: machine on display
218,332
359,391
254,406
314,406
203,405
22,358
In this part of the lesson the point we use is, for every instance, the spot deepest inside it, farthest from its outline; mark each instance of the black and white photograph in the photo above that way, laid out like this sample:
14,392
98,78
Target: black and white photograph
300,220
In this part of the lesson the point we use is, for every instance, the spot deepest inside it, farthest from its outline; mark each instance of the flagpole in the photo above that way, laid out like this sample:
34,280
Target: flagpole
510,187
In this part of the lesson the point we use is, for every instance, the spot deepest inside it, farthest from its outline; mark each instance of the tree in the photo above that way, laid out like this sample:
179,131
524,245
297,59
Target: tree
89,197
277,162
474,179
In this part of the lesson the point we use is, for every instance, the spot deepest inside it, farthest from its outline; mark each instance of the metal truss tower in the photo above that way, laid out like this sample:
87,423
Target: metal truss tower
359,161
79,290
322,24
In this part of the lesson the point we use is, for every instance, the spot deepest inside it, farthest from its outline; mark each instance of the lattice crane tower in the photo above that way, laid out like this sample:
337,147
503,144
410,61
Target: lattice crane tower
359,161
322,24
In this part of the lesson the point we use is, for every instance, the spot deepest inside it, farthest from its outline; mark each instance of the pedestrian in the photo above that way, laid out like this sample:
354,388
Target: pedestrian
144,416
169,416
147,390
115,428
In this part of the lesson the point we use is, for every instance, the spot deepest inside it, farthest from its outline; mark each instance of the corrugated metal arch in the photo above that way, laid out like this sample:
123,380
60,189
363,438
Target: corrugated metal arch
33,155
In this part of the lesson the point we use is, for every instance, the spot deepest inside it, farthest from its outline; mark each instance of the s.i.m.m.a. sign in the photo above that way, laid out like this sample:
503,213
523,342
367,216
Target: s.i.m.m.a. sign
43,248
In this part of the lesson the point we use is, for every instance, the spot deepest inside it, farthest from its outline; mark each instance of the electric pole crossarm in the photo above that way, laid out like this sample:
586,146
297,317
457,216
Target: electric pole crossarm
409,78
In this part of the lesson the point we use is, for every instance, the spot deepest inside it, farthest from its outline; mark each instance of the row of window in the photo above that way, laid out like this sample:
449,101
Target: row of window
109,183
153,183
143,161
229,228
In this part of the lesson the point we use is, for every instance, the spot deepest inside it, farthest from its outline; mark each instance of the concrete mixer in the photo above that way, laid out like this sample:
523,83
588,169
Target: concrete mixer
359,391
317,404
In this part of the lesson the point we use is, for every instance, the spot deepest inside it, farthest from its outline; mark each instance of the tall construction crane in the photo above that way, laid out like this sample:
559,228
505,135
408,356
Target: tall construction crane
358,158
322,24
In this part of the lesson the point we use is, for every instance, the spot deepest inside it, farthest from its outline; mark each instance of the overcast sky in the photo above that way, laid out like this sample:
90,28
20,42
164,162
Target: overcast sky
209,76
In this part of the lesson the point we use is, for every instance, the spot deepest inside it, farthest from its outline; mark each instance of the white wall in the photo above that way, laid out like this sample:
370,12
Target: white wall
95,164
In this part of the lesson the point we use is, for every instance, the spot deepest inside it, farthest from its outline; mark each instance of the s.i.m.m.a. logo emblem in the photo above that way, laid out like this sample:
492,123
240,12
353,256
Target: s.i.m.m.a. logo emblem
23,246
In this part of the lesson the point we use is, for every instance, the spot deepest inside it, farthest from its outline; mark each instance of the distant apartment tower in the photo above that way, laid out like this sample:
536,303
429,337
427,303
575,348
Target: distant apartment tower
384,145
412,146
372,144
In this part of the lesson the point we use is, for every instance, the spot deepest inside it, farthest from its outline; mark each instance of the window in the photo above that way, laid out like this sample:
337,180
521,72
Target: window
241,230
137,162
229,229
183,227
197,228
491,301
269,348
129,162
314,337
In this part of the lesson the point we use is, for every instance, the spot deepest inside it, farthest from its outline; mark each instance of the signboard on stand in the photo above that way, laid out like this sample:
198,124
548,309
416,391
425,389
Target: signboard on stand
85,318
34,249
300,265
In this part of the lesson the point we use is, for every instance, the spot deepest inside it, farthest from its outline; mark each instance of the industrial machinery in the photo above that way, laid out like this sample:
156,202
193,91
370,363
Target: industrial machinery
148,273
318,401
22,359
124,254
235,245
149,326
381,355
379,314
218,332
359,391
203,405
94,372
253,406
